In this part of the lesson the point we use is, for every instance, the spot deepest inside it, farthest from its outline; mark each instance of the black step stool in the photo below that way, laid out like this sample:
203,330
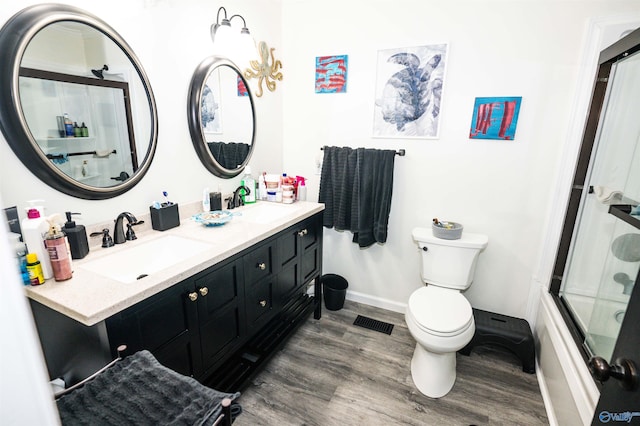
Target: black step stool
508,332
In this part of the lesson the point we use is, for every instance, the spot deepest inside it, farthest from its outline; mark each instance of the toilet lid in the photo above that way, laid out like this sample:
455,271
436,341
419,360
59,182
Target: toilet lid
440,311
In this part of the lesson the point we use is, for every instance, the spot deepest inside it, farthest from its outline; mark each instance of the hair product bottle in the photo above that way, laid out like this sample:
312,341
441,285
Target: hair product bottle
58,249
34,268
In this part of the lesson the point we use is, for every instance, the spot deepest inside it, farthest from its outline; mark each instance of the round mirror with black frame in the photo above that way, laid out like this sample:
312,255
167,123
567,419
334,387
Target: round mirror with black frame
77,107
221,117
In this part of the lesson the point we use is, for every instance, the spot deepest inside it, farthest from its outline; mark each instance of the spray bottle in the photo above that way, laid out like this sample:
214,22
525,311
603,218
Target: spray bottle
58,248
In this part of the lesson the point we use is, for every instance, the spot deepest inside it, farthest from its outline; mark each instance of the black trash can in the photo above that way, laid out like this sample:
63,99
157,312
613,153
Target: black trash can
334,288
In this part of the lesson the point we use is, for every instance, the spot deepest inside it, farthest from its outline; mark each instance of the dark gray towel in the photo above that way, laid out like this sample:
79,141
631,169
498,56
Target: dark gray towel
337,190
229,154
138,390
356,187
375,177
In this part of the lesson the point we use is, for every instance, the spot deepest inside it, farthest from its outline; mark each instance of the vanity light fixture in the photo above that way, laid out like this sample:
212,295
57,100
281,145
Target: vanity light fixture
239,47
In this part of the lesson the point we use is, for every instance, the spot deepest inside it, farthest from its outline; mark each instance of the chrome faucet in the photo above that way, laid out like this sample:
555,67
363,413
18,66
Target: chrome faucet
236,200
119,236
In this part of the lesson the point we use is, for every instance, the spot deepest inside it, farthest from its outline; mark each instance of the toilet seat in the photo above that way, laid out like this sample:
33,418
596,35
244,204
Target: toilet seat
440,311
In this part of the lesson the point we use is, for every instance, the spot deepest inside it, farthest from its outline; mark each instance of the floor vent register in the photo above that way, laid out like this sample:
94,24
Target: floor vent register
372,324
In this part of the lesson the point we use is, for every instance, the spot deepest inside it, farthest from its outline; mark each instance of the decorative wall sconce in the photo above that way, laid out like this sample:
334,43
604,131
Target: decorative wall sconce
267,69
239,47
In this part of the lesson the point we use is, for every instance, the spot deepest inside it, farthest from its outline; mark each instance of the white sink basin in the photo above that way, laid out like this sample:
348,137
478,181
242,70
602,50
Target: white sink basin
266,212
130,264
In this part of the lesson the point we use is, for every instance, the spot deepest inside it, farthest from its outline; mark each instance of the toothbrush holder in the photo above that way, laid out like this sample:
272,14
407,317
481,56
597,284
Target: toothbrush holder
166,217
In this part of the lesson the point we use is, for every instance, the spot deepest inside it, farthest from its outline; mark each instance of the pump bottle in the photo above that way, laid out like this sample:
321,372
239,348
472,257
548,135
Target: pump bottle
77,236
249,182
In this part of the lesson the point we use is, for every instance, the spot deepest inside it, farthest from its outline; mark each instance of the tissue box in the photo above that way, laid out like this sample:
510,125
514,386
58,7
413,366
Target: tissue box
164,218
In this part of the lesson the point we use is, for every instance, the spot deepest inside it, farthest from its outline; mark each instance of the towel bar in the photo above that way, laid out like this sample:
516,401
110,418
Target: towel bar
400,152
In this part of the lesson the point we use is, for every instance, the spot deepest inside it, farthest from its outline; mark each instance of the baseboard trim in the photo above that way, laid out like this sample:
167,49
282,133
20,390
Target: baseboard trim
377,302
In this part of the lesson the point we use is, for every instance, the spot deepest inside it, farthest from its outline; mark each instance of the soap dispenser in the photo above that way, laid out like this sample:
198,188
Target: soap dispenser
77,235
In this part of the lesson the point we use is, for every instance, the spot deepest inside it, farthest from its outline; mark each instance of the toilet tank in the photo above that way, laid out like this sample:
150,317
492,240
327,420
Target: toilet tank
449,263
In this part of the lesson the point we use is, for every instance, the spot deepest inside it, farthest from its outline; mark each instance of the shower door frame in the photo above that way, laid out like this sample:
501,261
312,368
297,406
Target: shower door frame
619,50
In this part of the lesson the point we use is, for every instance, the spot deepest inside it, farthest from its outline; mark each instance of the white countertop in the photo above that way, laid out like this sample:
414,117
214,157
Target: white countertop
90,297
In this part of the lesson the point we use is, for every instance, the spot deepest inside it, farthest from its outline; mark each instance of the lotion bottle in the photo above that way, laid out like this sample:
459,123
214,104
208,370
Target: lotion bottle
206,202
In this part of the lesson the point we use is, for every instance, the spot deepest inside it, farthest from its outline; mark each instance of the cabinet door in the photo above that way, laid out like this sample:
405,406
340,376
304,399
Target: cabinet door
310,236
299,256
288,249
165,325
220,311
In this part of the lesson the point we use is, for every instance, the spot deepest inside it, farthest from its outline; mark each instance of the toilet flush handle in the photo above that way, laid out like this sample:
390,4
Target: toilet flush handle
425,248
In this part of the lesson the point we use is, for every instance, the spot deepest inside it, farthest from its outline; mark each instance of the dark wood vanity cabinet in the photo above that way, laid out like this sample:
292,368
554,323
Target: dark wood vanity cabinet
299,257
222,324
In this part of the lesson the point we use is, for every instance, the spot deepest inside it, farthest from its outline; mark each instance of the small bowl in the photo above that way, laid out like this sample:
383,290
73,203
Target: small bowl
213,218
447,230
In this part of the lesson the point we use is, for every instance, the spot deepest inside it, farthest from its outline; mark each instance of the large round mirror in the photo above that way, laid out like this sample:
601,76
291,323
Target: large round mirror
221,117
76,106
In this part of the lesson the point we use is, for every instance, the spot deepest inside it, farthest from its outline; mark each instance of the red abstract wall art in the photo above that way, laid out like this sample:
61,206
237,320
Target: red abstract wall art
331,74
495,118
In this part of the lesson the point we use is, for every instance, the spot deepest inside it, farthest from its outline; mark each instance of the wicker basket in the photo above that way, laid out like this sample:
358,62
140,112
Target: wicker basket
447,230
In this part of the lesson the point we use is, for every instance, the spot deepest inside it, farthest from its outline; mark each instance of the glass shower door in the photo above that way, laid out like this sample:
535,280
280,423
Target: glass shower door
604,259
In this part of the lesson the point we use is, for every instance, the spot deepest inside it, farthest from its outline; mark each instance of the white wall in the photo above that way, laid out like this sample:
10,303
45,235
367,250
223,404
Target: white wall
170,38
503,189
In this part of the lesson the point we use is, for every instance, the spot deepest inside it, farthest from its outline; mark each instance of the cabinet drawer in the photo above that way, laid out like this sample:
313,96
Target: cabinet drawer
309,233
258,301
258,264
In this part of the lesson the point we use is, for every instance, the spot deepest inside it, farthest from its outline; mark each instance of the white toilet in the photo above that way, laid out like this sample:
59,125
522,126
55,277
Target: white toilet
439,317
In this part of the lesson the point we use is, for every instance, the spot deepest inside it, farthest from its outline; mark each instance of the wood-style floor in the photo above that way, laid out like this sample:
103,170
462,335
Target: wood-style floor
334,373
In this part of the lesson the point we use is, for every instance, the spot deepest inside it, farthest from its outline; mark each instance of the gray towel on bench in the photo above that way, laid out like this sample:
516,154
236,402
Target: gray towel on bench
138,390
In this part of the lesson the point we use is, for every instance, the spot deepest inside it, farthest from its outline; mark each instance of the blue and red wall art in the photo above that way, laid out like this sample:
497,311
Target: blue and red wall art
495,118
331,74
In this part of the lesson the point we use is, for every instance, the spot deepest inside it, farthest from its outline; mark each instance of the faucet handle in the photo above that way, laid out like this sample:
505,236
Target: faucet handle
107,241
130,235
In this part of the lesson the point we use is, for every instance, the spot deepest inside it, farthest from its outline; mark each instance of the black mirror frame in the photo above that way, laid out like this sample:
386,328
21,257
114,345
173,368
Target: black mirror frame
15,36
194,116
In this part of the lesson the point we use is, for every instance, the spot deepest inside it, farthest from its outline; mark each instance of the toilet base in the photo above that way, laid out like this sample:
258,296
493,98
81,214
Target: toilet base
433,374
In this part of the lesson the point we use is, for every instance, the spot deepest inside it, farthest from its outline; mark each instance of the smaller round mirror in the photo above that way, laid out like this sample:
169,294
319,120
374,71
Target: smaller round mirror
221,117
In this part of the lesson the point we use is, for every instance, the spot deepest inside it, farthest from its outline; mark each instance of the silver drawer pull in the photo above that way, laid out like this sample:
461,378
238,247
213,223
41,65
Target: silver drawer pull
262,266
203,291
303,232
263,303
193,296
